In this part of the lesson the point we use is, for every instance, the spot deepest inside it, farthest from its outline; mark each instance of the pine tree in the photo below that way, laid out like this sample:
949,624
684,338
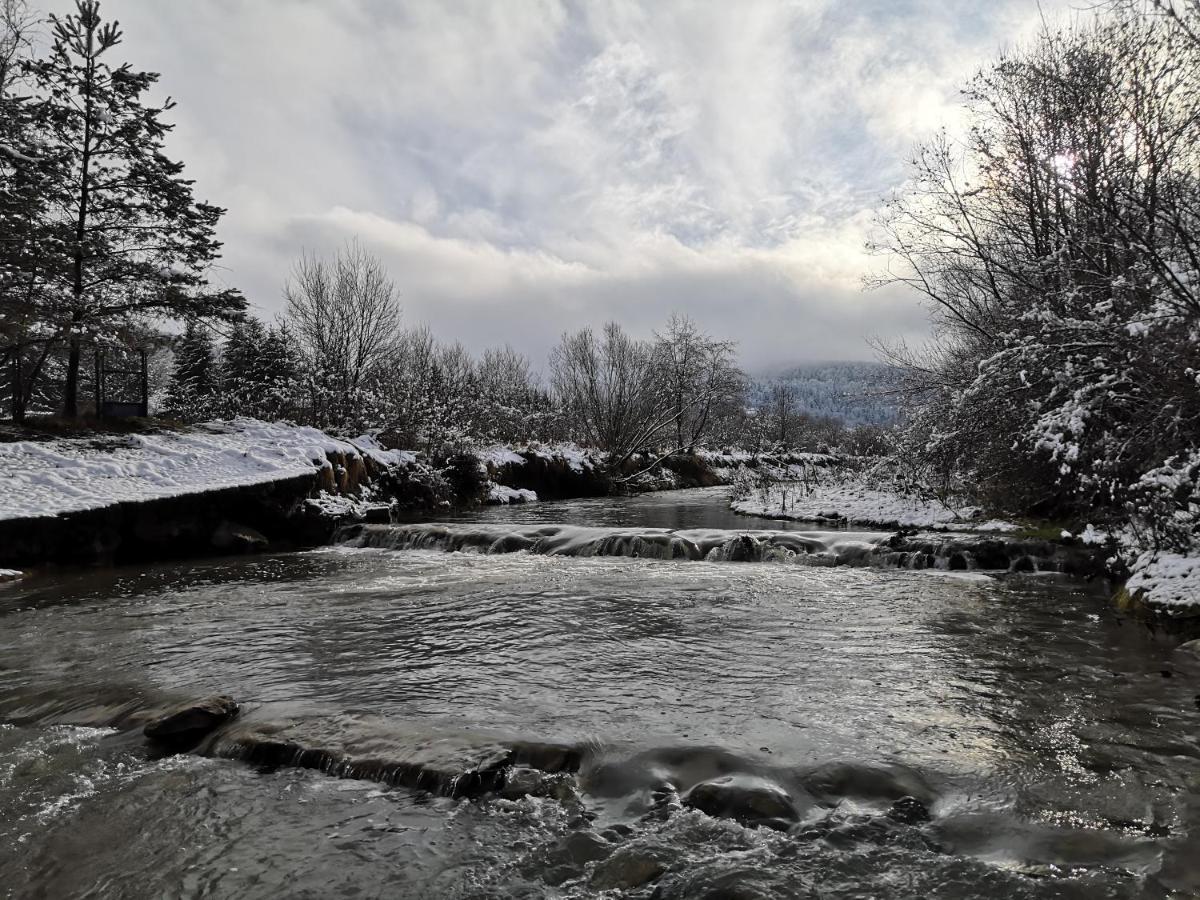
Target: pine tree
279,364
242,378
137,241
191,396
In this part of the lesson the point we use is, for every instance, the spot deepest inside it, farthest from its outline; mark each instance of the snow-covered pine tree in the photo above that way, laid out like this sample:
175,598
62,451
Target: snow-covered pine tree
137,241
279,364
192,393
241,374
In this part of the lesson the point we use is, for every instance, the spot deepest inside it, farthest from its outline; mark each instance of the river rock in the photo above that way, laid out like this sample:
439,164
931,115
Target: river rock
908,811
1190,648
188,723
582,847
749,799
630,867
832,782
234,538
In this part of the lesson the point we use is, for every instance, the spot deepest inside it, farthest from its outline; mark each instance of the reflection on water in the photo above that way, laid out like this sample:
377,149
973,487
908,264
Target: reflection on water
912,734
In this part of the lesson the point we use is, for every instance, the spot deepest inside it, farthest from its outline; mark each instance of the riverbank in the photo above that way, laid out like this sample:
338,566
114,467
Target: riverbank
244,485
1155,581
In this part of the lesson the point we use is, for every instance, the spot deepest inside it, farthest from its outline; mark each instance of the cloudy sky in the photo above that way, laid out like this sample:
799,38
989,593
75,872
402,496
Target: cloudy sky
530,166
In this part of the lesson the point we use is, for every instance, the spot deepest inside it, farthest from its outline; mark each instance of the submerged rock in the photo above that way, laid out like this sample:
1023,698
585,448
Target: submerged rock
235,538
749,799
187,724
832,782
908,811
1190,648
630,867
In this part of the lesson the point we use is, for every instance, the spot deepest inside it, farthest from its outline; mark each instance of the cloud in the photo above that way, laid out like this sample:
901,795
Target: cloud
531,167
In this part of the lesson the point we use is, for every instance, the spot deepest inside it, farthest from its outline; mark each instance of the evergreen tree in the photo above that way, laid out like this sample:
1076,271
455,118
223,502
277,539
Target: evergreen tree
279,363
191,394
242,379
137,243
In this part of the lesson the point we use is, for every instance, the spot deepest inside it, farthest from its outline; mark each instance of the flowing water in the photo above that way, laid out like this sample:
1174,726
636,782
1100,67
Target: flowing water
586,724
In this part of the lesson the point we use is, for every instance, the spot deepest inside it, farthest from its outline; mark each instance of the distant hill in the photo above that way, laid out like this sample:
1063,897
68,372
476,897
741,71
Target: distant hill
846,391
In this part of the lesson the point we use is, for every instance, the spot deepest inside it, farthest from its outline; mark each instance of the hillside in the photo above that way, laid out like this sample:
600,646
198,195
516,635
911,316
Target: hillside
851,392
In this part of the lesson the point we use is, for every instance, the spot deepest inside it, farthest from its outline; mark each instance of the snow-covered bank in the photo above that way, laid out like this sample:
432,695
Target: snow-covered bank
1166,582
853,503
47,478
234,486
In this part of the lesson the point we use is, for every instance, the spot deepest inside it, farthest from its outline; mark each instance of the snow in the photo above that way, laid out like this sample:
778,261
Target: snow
501,456
13,153
853,502
45,478
1167,581
500,494
573,455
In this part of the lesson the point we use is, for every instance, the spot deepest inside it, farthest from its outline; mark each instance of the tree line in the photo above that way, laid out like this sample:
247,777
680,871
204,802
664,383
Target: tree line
1058,247
105,250
341,358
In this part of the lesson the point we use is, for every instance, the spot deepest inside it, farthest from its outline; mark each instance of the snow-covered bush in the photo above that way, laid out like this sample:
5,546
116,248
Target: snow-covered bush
1058,251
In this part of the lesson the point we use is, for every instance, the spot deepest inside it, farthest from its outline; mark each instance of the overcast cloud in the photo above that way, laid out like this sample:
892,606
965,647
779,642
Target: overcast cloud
529,166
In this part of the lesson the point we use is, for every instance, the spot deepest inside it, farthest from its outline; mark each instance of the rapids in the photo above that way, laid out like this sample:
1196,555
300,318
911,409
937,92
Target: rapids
583,720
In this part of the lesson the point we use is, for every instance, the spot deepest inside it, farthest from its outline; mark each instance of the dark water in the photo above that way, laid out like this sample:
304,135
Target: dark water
1039,745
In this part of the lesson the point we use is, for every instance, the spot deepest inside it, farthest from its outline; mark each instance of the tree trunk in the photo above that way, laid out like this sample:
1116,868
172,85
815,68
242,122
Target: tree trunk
71,386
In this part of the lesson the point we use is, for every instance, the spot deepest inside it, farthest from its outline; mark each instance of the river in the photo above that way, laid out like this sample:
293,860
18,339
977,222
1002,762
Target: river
734,729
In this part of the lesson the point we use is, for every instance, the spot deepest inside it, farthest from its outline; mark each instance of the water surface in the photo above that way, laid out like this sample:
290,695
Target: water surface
1053,742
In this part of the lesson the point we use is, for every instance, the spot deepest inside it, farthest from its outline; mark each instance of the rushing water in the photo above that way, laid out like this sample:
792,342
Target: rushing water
754,729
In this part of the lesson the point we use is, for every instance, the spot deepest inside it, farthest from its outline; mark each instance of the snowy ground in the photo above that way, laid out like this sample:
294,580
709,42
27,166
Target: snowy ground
45,478
1167,581
572,454
854,503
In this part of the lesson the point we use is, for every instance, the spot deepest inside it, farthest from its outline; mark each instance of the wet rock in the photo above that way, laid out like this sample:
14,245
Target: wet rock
581,847
187,724
749,799
742,548
379,514
567,859
521,781
445,762
908,811
629,867
234,538
1189,648
832,782
1023,564
715,881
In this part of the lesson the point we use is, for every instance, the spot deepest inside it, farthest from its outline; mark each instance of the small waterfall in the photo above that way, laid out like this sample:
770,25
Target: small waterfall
713,545
939,551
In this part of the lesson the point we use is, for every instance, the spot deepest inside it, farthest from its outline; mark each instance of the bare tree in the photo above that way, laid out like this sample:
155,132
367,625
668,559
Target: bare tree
345,314
699,377
17,27
783,415
607,388
626,396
